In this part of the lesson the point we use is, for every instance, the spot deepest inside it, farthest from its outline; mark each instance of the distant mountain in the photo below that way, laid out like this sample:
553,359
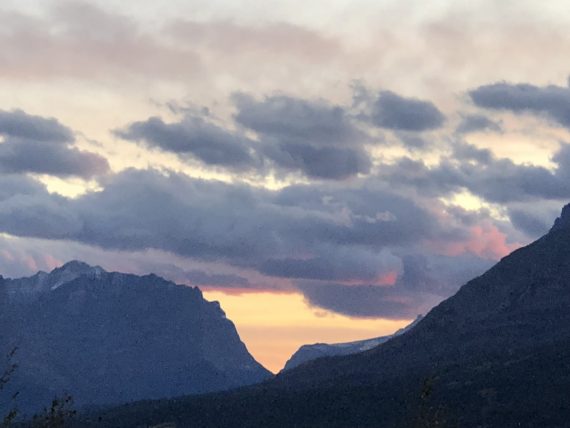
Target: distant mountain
318,350
496,354
108,338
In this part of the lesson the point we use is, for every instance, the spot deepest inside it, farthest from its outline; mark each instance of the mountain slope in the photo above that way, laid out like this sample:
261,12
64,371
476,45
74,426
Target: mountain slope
318,350
497,354
112,338
523,301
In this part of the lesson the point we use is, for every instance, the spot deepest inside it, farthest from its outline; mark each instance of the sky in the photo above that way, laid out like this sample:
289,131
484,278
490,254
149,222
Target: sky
327,170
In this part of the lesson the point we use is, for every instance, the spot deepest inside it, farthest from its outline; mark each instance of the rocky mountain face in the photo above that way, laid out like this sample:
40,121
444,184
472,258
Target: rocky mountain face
319,350
496,354
108,338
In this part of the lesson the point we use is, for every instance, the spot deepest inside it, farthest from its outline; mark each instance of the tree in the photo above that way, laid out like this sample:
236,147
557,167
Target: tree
58,415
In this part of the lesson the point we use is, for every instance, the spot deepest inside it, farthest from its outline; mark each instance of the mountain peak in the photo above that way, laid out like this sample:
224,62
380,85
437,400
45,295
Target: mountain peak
71,270
562,222
75,266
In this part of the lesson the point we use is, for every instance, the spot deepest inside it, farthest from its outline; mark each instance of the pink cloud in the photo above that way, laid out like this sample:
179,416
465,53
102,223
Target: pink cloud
484,240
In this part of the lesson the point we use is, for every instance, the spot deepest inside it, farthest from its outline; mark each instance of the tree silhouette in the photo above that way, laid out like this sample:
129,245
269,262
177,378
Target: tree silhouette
58,415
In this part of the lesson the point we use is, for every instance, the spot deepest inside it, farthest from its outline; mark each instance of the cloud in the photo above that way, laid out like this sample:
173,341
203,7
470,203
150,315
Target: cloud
27,209
412,141
80,40
530,224
11,185
335,163
439,275
359,238
314,137
497,180
25,256
34,144
20,156
210,220
195,137
367,301
19,124
477,123
552,102
468,152
330,230
562,160
423,282
201,278
296,120
534,220
392,111
39,216
335,264
276,39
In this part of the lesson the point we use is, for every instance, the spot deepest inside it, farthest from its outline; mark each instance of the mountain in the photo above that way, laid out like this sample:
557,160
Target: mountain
108,338
318,350
496,354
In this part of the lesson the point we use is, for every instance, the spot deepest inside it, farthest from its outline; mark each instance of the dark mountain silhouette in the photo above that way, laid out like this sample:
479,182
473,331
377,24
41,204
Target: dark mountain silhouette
112,338
308,353
496,354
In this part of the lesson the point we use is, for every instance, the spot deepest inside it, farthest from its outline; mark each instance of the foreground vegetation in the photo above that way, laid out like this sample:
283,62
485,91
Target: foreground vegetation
59,414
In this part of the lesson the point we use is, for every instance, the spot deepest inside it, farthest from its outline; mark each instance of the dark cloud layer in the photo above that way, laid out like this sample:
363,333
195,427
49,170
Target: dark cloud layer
209,219
319,139
493,179
531,224
33,144
313,138
16,185
310,232
296,120
195,137
393,111
18,124
368,301
535,219
21,156
425,281
333,263
335,163
201,278
551,101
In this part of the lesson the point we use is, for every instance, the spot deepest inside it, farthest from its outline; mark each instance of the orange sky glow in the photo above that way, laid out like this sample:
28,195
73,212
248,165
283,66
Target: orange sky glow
273,326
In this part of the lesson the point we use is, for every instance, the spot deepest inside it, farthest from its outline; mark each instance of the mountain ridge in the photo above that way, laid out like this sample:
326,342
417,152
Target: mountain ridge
311,352
109,337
